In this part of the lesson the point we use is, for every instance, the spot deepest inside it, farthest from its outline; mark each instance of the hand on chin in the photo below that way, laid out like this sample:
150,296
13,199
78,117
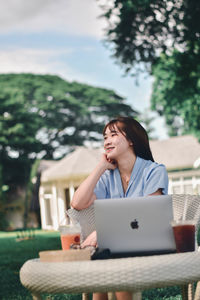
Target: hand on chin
112,163
110,155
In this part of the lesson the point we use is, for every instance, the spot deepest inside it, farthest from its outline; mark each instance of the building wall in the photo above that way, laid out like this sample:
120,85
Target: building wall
184,182
55,199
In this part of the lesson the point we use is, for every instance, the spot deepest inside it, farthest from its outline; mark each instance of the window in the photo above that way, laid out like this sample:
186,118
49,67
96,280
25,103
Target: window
188,178
188,189
47,203
175,179
67,198
176,189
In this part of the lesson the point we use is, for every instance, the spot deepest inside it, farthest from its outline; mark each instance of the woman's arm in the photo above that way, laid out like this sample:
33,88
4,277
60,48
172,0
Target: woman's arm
158,192
84,195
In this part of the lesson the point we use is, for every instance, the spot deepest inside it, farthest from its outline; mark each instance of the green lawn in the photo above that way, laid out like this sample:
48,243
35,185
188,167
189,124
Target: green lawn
13,254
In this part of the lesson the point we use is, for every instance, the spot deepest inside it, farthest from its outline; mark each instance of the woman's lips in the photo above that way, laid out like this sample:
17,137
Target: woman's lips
109,149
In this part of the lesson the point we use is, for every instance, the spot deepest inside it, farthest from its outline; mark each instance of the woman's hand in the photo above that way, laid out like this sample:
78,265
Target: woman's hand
84,195
91,240
109,164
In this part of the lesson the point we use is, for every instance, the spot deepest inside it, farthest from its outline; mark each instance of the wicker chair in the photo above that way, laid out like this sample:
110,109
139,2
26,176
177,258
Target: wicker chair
189,205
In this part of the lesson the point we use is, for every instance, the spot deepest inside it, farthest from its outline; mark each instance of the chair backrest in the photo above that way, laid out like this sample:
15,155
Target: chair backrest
87,220
188,205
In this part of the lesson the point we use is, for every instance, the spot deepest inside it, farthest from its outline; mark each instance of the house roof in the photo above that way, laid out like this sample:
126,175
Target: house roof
76,164
45,164
175,153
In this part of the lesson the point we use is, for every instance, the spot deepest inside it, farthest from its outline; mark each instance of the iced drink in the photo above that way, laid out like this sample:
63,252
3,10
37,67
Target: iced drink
68,239
184,234
69,234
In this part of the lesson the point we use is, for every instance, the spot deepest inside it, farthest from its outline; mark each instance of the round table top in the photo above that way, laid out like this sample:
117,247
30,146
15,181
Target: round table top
130,274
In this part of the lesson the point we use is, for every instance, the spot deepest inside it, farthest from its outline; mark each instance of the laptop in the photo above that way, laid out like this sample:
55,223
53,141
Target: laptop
135,226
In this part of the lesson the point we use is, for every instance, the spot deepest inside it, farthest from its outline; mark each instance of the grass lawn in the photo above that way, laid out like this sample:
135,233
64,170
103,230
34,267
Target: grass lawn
12,256
14,253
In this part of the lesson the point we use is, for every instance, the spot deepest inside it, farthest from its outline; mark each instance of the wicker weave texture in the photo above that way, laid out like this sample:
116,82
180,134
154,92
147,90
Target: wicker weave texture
192,203
85,218
131,274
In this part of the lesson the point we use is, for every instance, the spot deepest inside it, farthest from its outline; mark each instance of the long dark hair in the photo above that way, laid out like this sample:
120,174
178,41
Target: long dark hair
135,133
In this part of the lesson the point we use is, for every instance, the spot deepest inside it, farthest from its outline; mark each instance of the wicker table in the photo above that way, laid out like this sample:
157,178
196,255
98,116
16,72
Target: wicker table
130,274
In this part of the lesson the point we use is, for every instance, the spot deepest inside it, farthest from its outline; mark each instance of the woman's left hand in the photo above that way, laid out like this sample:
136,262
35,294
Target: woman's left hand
91,240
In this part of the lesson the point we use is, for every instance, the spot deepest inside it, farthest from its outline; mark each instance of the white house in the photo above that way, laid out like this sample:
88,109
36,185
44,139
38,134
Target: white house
59,182
180,155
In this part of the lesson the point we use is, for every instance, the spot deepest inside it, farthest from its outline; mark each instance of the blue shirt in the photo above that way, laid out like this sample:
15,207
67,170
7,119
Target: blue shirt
146,178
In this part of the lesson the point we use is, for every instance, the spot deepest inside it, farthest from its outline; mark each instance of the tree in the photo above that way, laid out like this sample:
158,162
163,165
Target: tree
176,92
146,120
163,37
140,30
40,114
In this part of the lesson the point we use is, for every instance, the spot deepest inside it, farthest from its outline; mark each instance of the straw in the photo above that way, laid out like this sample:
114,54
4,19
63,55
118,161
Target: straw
65,220
185,209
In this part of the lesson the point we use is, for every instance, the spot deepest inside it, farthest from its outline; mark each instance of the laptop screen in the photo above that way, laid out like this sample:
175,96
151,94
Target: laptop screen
139,224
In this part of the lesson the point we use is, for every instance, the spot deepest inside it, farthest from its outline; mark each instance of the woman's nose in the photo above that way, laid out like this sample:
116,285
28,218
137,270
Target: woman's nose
106,143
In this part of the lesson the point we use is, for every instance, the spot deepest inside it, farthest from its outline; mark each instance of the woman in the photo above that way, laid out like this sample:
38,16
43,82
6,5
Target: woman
126,169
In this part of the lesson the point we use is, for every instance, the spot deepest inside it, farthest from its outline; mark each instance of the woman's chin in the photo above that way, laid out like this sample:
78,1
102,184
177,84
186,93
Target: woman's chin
110,156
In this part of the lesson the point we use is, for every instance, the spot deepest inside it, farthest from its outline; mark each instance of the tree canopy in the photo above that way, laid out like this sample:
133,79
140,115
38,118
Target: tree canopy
139,30
41,114
176,92
163,36
146,121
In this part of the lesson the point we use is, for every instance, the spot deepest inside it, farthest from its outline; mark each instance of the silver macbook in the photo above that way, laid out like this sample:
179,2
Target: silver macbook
135,225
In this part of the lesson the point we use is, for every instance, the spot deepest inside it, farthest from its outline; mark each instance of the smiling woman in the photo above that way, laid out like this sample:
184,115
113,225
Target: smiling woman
126,169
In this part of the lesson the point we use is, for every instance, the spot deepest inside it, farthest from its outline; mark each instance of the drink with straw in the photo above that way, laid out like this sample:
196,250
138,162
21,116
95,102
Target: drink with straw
69,234
184,233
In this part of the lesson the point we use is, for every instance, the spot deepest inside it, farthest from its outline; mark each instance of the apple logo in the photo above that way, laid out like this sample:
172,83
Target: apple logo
134,224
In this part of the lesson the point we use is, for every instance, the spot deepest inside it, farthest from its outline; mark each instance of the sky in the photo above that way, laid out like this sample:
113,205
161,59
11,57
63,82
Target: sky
65,38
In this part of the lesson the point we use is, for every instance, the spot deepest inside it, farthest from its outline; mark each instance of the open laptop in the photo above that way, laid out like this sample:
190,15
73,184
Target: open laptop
135,226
